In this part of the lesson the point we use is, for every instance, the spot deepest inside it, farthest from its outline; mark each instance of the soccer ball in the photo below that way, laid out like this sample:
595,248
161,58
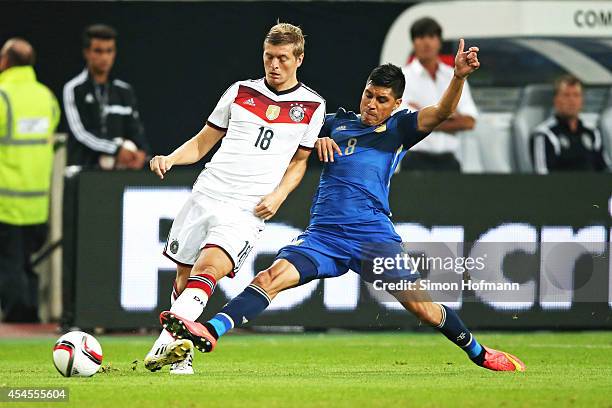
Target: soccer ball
77,354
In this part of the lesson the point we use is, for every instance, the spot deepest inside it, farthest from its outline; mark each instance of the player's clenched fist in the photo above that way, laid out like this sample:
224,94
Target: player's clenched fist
160,165
269,205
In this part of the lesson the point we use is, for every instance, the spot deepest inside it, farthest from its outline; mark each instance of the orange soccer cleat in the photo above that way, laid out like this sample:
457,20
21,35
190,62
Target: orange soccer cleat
501,361
182,328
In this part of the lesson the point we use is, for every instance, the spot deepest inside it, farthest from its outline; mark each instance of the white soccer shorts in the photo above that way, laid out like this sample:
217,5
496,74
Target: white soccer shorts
205,222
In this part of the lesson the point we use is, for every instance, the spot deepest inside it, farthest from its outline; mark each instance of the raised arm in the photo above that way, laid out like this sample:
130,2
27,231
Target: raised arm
270,203
189,152
466,62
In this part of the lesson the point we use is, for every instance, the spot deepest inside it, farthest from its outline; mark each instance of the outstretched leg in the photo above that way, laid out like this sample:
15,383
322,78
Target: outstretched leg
443,318
240,310
199,283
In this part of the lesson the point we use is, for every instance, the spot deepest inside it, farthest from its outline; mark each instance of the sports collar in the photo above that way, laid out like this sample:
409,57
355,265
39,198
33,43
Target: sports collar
286,91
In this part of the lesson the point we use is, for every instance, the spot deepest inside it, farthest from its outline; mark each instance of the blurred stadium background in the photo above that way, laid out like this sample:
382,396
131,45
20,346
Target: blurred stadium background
108,228
180,56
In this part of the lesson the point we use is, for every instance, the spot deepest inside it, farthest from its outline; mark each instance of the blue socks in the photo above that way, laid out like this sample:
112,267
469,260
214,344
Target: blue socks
240,310
219,324
454,330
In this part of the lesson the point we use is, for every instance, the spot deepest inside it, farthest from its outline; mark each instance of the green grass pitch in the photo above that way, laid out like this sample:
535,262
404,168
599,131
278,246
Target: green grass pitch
331,370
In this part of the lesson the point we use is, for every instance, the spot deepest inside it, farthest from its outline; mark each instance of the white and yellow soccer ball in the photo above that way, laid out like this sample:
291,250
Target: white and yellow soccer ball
77,354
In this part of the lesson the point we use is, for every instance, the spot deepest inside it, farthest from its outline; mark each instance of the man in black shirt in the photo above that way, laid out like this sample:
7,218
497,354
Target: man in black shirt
102,113
563,142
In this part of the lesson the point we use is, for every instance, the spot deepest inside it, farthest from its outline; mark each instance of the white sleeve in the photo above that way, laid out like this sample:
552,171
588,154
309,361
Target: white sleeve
220,116
314,127
466,104
540,163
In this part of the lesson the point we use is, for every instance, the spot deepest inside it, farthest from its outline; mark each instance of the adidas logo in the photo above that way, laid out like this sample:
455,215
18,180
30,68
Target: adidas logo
244,320
249,102
461,336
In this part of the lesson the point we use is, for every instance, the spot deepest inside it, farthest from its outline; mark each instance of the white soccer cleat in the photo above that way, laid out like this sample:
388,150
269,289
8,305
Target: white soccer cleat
170,353
185,367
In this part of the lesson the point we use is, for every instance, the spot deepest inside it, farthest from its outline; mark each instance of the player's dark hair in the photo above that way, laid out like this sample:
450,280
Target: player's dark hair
285,33
100,32
425,26
567,79
389,76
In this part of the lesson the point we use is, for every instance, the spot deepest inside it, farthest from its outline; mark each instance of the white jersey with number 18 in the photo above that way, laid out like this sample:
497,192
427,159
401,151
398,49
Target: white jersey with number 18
264,128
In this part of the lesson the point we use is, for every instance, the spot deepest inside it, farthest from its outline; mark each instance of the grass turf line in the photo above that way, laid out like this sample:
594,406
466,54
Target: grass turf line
383,369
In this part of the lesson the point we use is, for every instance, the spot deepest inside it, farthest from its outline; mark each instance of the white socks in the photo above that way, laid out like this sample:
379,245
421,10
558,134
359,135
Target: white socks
190,304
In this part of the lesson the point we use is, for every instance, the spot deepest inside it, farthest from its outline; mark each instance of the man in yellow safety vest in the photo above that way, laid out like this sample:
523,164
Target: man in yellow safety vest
29,114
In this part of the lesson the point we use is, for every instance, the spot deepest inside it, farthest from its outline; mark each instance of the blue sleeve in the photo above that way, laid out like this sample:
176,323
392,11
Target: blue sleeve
327,125
407,126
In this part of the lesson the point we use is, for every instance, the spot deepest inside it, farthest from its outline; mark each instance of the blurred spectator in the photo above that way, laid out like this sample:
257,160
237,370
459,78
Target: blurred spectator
426,80
29,114
563,142
105,126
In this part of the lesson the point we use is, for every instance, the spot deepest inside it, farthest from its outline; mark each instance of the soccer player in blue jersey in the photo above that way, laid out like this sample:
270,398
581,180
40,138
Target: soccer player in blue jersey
351,210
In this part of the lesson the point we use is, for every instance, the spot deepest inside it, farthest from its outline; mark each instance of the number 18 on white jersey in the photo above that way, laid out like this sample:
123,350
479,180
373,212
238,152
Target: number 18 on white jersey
264,128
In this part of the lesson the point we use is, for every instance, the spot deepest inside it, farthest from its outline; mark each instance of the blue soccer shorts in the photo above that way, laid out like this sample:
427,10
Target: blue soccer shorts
330,250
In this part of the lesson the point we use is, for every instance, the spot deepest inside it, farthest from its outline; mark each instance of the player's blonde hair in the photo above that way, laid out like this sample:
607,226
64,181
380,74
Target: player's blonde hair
285,33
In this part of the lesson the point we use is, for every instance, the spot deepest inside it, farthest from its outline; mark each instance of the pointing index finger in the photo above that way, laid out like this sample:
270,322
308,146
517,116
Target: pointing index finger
461,45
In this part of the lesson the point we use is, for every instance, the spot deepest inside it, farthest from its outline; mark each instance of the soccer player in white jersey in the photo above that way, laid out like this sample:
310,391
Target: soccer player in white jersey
267,129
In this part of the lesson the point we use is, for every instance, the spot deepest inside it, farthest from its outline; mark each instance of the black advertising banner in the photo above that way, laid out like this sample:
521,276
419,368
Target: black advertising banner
511,251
